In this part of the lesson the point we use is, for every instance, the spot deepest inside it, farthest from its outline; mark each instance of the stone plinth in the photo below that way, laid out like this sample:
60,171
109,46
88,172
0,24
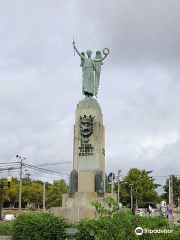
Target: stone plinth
74,214
79,206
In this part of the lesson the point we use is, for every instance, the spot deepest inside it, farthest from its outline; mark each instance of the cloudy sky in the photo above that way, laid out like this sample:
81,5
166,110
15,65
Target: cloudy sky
40,80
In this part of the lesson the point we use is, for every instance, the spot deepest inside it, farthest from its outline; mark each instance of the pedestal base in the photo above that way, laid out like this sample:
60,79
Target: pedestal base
78,206
75,214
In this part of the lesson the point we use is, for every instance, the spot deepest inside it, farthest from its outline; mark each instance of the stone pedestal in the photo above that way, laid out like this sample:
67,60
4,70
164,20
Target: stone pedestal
88,181
79,206
89,150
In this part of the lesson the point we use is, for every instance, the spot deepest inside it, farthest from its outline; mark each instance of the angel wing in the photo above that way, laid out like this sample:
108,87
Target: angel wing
97,68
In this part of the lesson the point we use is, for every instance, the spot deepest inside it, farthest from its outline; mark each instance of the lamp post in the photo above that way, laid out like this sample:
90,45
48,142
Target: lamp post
131,185
2,185
119,171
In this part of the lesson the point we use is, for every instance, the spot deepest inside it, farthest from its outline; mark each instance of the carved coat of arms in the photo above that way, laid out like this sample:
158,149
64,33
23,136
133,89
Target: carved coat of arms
86,127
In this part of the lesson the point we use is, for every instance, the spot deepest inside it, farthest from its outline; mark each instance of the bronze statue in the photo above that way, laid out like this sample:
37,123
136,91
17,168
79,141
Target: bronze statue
91,70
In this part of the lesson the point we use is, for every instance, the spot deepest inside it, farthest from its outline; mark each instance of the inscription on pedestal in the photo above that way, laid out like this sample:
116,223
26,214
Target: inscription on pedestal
86,150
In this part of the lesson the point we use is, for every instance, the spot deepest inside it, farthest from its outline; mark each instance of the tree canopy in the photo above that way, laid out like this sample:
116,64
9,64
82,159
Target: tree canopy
32,193
143,188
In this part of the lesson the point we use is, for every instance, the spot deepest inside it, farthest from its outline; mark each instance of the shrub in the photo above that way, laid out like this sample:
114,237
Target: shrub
5,228
113,224
39,227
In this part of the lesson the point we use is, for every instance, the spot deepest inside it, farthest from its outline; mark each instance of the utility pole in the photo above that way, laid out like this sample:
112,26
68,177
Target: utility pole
131,196
119,171
136,199
169,191
20,186
44,197
171,198
20,182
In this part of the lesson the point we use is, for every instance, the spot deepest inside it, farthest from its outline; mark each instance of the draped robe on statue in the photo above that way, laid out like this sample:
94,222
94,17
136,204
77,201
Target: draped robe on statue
88,76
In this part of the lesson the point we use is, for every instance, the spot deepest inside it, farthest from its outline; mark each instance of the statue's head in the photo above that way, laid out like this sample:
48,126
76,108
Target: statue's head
98,55
89,53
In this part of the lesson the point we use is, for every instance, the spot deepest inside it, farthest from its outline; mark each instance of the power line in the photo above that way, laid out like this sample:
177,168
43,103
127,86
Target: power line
8,168
48,176
9,163
42,169
48,164
158,176
38,168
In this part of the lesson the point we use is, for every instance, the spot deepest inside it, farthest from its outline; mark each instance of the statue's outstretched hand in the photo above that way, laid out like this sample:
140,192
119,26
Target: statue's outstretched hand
106,51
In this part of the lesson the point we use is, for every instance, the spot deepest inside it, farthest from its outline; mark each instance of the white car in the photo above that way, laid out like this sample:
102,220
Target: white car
9,217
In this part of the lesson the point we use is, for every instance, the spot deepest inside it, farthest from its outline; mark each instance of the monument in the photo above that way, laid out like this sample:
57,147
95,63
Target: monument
88,179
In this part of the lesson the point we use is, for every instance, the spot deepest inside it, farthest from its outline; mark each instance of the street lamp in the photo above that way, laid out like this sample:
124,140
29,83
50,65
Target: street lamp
2,185
9,178
131,185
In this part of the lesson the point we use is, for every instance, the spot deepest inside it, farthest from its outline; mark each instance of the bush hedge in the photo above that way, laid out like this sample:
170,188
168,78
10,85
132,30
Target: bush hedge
123,228
113,224
6,228
42,226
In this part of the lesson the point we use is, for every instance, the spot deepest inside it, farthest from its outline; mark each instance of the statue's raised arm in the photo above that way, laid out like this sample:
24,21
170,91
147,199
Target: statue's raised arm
83,57
105,52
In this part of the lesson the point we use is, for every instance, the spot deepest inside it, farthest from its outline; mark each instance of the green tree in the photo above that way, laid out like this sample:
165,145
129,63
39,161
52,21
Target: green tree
176,190
143,188
10,195
26,182
36,194
54,193
32,192
25,194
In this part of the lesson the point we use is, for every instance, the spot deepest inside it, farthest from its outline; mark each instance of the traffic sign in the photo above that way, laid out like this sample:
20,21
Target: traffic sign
170,211
111,176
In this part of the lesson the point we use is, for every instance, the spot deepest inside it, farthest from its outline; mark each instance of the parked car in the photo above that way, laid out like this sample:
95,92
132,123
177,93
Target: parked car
2,218
9,217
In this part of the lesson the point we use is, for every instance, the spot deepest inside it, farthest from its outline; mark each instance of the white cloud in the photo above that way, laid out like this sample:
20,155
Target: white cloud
151,147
